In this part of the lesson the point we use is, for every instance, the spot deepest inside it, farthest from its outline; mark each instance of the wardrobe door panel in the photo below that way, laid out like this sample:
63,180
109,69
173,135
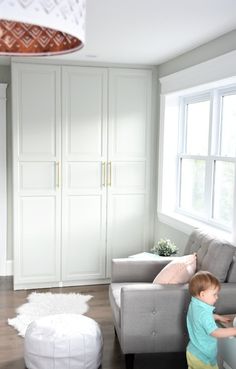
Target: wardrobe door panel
84,256
84,192
36,157
83,90
84,175
126,218
37,119
129,176
36,176
128,162
129,113
38,238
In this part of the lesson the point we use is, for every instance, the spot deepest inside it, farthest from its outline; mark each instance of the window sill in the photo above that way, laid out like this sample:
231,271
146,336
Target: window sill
187,225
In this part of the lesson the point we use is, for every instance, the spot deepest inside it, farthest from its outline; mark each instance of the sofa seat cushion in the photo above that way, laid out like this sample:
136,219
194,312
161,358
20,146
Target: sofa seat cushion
114,296
217,259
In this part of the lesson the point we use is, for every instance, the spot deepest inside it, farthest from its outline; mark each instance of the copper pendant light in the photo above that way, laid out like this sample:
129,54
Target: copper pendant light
41,27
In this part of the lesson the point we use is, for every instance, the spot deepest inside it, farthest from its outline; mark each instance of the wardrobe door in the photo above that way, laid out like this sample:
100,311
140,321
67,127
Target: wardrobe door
84,92
36,145
128,162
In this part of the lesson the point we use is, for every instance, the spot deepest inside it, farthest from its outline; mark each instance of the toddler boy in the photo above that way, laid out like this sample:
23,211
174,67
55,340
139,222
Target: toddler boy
203,332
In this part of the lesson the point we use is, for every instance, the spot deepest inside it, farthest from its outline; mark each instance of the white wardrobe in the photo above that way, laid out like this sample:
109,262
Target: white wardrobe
82,144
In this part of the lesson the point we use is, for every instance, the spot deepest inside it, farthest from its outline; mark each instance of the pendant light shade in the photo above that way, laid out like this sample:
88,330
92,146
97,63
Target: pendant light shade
41,27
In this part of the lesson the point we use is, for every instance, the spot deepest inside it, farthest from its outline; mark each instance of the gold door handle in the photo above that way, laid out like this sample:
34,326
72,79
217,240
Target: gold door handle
57,174
109,173
104,173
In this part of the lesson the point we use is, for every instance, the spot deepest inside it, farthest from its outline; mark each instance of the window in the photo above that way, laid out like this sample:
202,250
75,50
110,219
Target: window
206,159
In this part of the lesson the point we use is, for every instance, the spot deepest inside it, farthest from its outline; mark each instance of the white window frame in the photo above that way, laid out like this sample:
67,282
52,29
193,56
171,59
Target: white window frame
214,96
215,72
176,217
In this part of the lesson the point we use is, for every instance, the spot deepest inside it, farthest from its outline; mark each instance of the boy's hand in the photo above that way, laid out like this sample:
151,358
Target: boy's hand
222,318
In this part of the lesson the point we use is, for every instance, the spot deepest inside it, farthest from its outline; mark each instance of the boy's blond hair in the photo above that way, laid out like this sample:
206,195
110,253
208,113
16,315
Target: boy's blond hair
201,281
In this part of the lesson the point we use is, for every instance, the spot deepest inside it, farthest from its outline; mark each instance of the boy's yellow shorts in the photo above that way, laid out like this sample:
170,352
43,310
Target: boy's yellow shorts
195,363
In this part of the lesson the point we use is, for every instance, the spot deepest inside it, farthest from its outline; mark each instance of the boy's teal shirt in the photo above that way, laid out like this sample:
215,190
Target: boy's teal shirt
201,324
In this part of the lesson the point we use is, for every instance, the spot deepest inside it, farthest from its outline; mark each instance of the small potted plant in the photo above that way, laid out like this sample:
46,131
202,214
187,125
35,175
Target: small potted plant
164,247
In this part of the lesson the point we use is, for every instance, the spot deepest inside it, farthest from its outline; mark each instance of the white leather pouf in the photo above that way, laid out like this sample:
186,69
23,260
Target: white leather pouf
63,341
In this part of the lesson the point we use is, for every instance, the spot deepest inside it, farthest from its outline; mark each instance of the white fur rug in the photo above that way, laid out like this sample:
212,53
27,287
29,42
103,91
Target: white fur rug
42,304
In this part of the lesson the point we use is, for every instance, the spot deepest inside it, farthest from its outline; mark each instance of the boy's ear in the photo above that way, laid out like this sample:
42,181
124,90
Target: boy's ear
202,294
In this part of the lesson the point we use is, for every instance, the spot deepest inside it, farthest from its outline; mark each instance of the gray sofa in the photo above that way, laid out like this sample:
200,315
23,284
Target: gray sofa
151,318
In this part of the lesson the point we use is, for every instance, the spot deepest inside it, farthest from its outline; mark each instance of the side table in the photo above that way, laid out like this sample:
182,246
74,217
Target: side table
150,256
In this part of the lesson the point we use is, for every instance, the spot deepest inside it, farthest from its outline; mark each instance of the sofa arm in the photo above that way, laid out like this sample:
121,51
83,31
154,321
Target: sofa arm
153,318
131,270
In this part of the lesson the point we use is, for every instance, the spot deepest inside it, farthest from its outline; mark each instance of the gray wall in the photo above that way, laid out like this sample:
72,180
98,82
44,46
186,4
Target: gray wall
179,238
210,50
5,77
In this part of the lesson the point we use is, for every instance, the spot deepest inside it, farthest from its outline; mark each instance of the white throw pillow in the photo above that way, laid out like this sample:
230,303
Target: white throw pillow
180,270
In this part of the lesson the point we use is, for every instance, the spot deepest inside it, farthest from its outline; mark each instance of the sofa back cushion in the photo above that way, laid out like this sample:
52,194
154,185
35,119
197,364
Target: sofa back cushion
217,260
199,242
213,254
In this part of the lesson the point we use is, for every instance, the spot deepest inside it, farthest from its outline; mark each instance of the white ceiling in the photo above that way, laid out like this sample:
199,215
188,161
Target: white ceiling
151,31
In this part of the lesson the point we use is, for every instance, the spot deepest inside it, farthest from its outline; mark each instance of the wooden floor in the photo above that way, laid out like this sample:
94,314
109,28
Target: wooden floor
11,345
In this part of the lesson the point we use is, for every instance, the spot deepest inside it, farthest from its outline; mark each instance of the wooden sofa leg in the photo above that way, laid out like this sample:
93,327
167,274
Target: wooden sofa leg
129,361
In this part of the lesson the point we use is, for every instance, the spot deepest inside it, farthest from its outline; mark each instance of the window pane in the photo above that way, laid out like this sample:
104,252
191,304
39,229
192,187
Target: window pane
193,185
228,136
224,192
198,127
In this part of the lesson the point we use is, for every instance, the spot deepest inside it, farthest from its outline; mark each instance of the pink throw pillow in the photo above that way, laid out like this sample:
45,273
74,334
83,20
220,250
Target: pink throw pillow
180,270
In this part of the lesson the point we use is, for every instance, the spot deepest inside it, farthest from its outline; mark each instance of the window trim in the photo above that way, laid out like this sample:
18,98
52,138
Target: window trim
214,96
216,72
167,213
